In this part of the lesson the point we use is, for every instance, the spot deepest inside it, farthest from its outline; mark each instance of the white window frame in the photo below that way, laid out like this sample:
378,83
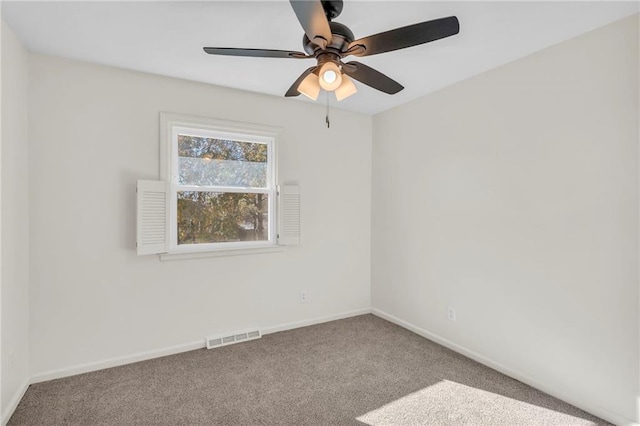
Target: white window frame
170,125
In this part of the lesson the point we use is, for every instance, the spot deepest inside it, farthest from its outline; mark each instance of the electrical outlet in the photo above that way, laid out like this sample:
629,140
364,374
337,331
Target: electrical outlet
451,314
12,359
303,296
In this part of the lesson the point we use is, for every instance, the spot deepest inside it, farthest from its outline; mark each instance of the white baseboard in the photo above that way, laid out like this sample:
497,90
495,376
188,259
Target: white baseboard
114,362
13,404
313,321
588,407
156,353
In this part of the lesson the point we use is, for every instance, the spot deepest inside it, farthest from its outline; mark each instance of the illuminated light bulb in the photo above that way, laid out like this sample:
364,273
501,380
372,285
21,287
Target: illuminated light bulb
310,86
346,89
330,76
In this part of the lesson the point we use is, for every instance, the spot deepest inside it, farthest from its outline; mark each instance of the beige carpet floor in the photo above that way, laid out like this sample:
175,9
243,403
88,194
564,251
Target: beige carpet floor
361,370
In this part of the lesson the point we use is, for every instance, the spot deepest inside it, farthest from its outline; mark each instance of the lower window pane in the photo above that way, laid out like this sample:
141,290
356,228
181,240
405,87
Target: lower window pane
220,217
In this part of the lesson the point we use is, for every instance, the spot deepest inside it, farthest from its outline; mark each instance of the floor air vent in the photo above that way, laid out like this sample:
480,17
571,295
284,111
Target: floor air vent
230,339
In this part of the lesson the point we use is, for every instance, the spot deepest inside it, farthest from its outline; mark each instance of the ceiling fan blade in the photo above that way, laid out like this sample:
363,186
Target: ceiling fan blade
311,15
293,90
256,53
371,77
403,37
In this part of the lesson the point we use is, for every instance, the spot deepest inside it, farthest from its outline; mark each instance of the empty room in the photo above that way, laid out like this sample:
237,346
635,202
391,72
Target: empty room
308,212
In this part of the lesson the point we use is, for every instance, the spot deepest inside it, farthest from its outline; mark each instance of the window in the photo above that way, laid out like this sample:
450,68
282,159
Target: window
218,189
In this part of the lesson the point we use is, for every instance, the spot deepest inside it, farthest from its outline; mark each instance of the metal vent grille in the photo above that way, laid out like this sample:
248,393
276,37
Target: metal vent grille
231,338
214,342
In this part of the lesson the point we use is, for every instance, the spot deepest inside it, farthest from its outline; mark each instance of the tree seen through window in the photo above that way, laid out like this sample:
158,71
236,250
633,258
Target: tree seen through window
215,208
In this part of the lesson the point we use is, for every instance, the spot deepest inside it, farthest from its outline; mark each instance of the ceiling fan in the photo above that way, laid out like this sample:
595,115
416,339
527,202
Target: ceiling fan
329,42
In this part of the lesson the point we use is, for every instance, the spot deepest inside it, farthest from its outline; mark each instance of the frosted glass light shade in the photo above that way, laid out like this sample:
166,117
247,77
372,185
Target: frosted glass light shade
330,76
346,89
310,86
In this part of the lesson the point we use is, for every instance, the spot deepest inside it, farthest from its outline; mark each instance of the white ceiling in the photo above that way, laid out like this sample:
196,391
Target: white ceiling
166,38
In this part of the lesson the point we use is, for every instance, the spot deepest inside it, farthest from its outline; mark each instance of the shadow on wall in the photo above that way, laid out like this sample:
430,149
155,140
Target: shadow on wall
127,219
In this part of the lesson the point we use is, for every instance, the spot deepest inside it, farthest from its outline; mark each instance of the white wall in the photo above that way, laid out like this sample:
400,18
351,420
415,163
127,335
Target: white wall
93,131
513,197
15,225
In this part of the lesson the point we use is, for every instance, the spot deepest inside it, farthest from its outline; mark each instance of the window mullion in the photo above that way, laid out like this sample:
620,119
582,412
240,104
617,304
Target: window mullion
185,188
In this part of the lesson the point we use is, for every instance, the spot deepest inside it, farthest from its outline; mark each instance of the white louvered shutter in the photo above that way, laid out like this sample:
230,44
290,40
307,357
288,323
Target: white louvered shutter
152,227
289,215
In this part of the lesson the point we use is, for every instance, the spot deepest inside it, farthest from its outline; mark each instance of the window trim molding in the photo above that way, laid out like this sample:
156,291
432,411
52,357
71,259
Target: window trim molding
250,131
164,257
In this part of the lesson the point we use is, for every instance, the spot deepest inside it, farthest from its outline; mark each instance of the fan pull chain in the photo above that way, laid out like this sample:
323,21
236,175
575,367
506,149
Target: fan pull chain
327,117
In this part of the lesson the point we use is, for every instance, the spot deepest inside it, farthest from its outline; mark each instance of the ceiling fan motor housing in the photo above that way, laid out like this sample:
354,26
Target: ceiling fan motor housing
341,37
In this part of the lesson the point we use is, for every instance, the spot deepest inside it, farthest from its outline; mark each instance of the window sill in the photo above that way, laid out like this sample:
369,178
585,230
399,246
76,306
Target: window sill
219,253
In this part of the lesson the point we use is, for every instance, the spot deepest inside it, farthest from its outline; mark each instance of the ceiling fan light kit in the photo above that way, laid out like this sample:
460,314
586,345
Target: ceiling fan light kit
330,42
346,89
310,86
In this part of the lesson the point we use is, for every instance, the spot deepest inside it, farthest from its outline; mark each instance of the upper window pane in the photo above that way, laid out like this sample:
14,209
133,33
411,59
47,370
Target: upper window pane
206,161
